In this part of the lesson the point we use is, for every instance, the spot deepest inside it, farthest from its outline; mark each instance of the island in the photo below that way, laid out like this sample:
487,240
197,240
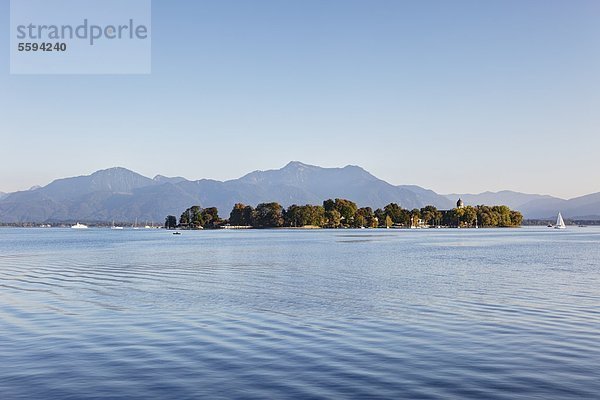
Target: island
343,213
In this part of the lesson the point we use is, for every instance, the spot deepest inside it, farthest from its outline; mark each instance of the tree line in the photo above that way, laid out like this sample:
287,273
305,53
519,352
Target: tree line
342,213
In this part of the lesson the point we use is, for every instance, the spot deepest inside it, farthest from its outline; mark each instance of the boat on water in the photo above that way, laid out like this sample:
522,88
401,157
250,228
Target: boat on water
176,233
79,226
115,227
560,223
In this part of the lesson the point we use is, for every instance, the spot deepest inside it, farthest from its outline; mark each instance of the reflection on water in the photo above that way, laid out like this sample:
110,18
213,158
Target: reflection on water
300,314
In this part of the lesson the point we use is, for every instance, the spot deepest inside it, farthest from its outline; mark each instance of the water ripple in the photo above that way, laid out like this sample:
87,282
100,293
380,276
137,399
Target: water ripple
494,314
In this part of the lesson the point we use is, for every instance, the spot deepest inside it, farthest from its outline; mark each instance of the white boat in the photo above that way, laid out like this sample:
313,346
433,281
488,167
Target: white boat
79,226
560,223
116,228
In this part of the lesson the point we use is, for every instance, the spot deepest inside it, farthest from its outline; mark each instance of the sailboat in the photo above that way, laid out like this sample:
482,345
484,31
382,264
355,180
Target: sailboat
116,228
560,223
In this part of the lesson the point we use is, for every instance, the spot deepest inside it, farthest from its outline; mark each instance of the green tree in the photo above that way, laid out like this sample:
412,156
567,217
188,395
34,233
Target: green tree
394,211
380,215
313,215
347,210
469,215
429,215
210,217
503,213
329,205
171,222
292,216
268,215
415,215
192,218
516,218
241,215
364,217
333,219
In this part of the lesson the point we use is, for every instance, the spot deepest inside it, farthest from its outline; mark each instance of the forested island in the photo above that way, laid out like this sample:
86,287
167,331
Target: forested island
342,213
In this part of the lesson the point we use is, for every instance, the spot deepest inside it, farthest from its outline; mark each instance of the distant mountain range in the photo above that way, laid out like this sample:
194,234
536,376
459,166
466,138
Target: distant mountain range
124,196
536,206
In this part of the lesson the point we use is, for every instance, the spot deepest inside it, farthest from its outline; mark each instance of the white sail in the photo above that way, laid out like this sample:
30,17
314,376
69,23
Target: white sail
116,228
560,223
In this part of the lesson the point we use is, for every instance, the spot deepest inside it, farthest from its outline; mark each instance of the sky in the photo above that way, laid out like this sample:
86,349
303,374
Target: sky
455,96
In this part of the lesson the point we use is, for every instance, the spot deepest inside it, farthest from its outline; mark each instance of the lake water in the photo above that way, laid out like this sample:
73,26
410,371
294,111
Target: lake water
419,314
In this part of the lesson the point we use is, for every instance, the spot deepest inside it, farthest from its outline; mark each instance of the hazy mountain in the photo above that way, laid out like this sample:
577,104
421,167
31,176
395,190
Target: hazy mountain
514,200
123,195
536,206
584,207
113,180
164,179
308,184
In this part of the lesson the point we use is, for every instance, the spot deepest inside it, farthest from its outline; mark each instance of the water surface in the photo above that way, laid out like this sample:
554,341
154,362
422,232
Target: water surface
494,314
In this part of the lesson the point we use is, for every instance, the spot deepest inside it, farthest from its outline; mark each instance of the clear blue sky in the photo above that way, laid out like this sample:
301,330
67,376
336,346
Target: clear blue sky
456,96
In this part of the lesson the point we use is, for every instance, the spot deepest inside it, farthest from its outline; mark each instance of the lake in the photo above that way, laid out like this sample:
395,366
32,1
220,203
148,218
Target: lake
418,314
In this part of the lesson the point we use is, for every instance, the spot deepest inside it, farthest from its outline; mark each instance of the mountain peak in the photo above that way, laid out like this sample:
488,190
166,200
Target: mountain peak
354,167
165,179
113,171
297,165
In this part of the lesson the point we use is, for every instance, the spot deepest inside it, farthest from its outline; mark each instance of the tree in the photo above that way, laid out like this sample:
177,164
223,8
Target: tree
469,215
241,215
394,211
333,219
248,215
211,219
304,215
516,218
171,222
268,215
293,216
429,215
347,210
380,215
364,217
503,213
317,216
192,218
329,205
415,215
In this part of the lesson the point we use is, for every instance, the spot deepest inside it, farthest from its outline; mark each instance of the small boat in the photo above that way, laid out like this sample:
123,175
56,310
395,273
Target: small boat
79,226
560,223
176,233
116,228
